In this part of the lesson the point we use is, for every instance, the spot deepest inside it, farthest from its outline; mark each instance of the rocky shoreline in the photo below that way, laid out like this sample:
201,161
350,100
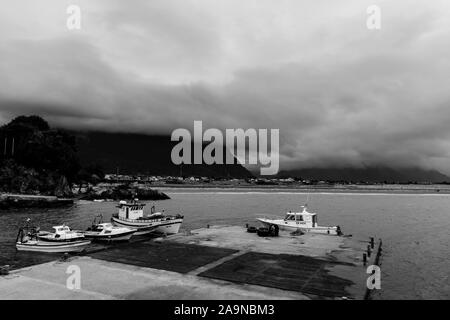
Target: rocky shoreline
112,193
123,192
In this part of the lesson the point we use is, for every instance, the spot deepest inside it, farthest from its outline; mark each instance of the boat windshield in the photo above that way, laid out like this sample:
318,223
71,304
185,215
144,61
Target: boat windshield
291,217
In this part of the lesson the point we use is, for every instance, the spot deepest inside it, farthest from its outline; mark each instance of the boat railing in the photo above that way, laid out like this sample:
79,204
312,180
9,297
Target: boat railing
268,216
151,219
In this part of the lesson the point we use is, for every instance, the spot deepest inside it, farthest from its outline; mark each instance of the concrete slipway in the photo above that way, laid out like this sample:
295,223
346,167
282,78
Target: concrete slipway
219,262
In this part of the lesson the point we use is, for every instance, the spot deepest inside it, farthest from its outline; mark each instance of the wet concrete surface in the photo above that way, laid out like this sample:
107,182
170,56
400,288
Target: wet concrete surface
176,257
289,272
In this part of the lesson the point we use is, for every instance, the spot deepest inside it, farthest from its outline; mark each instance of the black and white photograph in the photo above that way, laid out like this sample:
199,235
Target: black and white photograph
225,155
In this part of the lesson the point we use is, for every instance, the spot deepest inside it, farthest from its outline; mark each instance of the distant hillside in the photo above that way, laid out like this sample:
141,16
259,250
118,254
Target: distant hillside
144,154
370,174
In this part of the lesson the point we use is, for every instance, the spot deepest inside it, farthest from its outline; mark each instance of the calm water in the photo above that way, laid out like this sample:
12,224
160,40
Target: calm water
415,228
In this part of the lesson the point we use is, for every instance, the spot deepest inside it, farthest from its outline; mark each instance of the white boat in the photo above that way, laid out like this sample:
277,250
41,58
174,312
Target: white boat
304,221
100,231
132,215
27,240
61,234
49,247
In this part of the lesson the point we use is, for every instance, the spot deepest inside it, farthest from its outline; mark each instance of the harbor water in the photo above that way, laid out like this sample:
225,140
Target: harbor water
415,228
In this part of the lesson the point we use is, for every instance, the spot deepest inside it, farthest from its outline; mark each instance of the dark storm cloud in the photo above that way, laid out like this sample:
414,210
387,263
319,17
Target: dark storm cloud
339,93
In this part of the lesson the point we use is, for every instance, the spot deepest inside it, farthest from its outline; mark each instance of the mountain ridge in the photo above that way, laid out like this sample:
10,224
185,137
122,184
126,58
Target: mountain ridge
132,153
368,174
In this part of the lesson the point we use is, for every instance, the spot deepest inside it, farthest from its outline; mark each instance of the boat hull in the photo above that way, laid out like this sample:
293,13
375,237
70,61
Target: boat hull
170,226
283,225
141,229
123,236
52,247
58,240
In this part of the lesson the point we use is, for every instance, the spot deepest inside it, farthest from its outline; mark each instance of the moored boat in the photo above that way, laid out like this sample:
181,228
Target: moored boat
304,220
27,240
52,247
101,231
132,215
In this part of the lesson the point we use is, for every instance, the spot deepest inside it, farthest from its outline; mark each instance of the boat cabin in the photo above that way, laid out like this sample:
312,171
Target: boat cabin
61,229
304,217
105,225
102,226
132,211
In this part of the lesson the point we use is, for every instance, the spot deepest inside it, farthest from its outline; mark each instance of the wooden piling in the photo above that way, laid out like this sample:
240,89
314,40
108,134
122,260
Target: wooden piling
378,256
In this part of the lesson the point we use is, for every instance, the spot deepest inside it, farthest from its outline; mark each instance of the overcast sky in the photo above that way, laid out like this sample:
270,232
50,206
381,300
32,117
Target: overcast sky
340,94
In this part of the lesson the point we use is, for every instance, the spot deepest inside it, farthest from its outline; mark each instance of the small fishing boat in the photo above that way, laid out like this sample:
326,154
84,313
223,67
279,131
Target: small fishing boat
100,231
27,240
52,247
304,220
132,215
61,234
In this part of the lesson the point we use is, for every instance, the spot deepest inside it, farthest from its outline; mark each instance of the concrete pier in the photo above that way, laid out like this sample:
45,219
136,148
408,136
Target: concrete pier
219,262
